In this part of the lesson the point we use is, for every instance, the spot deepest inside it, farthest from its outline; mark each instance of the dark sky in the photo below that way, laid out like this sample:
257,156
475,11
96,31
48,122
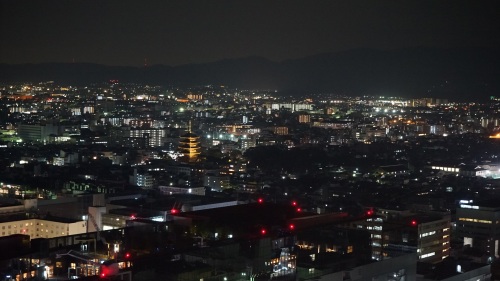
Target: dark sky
124,32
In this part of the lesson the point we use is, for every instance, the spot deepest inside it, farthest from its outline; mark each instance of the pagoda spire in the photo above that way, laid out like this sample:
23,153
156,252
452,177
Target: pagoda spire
189,145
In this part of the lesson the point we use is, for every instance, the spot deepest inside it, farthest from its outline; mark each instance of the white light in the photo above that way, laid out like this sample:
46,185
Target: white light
469,207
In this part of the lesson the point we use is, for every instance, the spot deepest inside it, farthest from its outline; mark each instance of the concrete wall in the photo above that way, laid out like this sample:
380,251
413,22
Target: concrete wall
77,228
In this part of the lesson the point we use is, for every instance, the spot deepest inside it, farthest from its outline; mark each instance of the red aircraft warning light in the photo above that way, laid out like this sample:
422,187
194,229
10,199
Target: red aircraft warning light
414,223
263,231
260,200
369,212
174,211
294,203
291,227
299,210
127,255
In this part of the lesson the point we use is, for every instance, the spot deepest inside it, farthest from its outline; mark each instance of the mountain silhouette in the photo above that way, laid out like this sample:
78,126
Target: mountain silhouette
460,74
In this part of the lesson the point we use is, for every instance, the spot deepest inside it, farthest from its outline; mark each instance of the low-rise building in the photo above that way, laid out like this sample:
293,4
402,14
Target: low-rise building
41,228
170,190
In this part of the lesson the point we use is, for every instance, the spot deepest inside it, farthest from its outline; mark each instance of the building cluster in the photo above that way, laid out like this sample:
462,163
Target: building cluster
143,182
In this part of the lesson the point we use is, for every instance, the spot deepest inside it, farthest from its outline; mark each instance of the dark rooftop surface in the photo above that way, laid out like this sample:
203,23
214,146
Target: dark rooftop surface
446,268
134,212
59,219
411,221
251,217
169,202
243,216
13,217
488,203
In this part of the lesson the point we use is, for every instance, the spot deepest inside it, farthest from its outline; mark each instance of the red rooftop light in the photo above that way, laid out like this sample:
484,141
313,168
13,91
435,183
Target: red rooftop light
414,222
260,200
291,226
294,203
174,211
263,231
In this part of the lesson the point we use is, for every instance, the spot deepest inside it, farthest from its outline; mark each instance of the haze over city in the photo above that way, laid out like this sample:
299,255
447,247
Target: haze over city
182,32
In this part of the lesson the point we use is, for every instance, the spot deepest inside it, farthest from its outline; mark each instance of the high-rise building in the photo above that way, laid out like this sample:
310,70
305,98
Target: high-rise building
152,137
478,224
428,235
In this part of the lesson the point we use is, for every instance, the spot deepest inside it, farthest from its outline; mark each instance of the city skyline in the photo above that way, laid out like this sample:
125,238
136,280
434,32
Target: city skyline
114,179
249,140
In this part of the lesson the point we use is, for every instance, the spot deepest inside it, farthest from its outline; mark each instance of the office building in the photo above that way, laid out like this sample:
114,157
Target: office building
37,133
478,224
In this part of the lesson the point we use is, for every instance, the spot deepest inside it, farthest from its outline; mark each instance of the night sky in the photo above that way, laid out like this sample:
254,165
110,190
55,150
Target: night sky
126,32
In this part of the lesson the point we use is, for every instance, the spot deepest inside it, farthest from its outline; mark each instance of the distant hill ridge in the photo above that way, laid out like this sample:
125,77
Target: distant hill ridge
457,74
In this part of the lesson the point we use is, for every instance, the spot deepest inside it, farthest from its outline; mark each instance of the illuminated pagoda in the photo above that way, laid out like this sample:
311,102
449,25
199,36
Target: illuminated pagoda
189,145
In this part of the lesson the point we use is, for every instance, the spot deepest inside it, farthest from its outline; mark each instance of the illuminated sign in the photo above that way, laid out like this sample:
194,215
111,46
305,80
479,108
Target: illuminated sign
463,206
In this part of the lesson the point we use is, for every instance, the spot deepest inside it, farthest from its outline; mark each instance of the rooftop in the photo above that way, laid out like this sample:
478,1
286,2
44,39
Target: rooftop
166,203
487,203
